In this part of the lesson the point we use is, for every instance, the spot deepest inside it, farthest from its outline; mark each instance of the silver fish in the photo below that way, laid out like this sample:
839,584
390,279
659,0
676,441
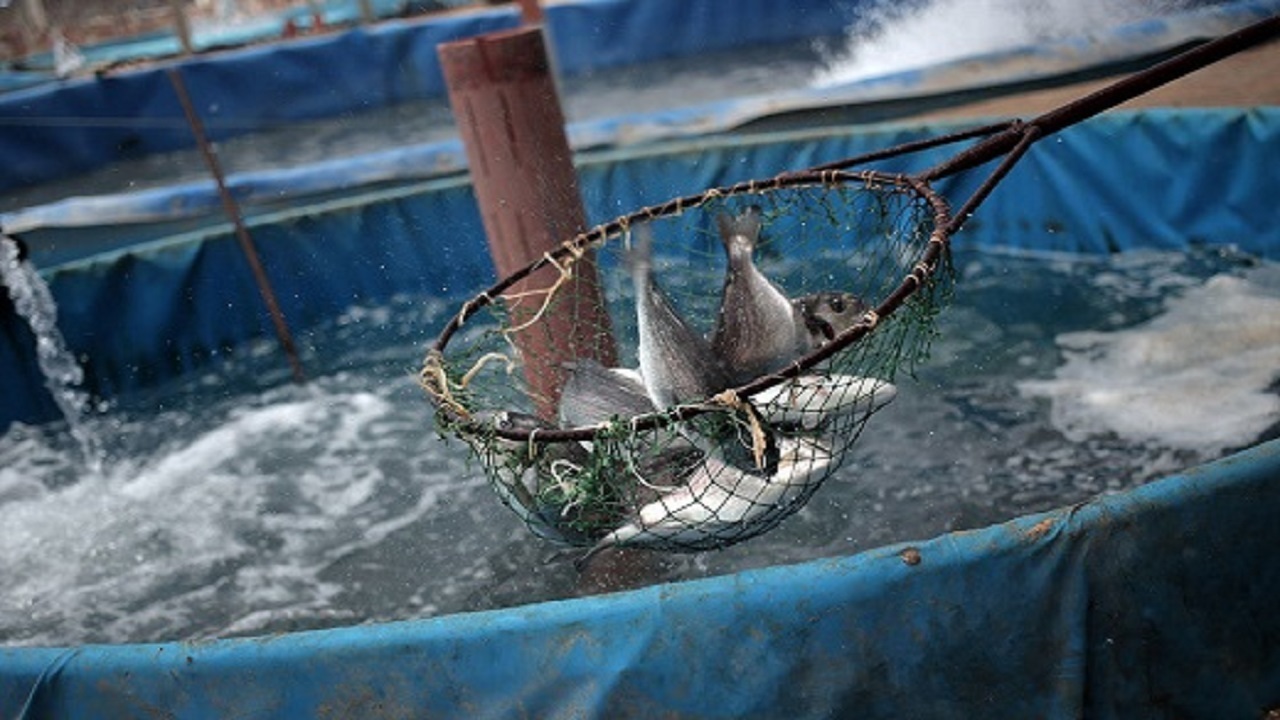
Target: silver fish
809,402
594,394
720,503
677,364
758,329
538,480
827,314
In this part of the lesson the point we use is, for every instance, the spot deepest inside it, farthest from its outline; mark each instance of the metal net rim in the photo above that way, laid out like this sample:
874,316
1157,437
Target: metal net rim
434,380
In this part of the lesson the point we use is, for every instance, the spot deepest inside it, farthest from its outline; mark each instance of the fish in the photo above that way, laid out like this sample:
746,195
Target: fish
719,503
593,394
828,313
758,329
809,402
692,491
538,480
676,362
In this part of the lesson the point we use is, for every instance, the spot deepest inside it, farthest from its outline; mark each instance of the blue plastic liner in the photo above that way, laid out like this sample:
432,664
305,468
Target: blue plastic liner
1160,602
1152,604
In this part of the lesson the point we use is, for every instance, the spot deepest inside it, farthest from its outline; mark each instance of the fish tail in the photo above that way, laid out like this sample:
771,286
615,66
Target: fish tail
613,539
741,231
639,256
580,564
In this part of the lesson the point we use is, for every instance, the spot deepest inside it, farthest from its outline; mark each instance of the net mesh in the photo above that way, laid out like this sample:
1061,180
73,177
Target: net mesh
682,403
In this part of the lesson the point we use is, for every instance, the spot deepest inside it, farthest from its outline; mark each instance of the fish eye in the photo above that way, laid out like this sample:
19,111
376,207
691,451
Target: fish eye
837,303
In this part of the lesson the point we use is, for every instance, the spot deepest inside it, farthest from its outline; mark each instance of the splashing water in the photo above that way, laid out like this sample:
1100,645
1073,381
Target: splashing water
34,302
1161,380
892,36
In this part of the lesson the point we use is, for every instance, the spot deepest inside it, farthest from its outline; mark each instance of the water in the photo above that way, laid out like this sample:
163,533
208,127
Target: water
34,303
226,507
893,36
1225,328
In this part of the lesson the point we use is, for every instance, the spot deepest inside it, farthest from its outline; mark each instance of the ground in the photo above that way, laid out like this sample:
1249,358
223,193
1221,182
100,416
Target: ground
1250,78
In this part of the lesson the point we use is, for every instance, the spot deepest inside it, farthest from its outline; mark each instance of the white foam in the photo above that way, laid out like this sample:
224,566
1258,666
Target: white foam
893,36
237,521
1197,377
33,301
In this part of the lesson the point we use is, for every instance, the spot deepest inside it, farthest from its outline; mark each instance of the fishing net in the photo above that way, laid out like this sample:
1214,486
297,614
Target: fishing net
686,376
860,267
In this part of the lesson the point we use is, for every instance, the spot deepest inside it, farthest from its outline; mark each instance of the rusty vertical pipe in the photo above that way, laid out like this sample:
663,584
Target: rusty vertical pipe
504,99
34,22
181,25
242,233
530,12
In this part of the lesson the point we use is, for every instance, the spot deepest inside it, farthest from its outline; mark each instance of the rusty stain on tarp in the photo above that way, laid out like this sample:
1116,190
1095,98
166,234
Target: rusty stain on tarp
1040,529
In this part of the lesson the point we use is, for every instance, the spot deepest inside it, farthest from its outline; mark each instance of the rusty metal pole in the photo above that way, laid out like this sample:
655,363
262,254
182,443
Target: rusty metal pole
503,93
232,210
530,12
182,25
504,99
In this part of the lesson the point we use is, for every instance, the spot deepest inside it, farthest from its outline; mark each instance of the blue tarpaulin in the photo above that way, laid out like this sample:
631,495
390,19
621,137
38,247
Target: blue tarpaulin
1156,603
66,127
151,213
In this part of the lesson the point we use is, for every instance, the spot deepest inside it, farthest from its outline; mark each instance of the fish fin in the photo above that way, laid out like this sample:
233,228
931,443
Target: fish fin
639,254
606,542
590,369
580,564
741,230
593,393
616,538
558,556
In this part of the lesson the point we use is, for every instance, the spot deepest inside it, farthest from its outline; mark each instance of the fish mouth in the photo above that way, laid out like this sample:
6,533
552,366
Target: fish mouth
817,324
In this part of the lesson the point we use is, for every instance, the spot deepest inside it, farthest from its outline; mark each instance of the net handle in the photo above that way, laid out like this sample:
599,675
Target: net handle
1106,98
1003,137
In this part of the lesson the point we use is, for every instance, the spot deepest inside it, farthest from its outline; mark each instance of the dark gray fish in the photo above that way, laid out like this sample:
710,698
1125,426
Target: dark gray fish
593,394
758,329
677,364
827,314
